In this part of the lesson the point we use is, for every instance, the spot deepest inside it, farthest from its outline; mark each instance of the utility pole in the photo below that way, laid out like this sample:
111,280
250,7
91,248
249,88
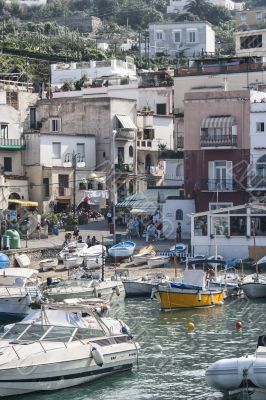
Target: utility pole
140,58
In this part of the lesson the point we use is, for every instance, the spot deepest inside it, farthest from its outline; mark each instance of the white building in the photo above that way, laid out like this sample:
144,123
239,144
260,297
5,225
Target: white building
30,3
251,43
15,107
187,38
257,170
61,73
229,231
176,6
177,210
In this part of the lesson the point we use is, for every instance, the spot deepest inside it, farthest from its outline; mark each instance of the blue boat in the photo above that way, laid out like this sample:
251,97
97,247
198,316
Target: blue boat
122,249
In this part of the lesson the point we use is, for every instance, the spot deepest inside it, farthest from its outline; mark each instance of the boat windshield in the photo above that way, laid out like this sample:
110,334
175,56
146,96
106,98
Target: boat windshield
12,281
75,283
24,333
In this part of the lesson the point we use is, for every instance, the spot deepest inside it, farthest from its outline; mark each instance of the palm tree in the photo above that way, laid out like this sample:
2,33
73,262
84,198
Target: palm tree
198,7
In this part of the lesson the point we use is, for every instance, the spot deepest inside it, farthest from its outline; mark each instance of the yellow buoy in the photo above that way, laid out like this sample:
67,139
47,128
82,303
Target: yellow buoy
190,326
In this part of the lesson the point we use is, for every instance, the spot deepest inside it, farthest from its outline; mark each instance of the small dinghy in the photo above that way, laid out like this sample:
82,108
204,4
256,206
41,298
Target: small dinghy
144,286
48,264
254,286
157,261
241,376
122,250
144,254
93,256
73,262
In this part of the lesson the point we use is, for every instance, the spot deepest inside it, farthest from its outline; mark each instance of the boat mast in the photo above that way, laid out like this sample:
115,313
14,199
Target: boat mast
103,260
255,248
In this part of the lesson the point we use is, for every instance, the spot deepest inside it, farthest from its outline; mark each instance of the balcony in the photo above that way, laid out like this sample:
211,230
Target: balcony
180,142
218,141
125,134
12,144
220,69
220,185
147,145
62,192
124,168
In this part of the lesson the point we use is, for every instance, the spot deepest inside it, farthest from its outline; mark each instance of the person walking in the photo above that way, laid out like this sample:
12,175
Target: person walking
109,217
76,232
38,229
178,232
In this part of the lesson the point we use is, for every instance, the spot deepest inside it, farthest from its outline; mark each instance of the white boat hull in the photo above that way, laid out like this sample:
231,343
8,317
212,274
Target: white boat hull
48,264
121,253
73,262
134,288
158,261
15,302
254,290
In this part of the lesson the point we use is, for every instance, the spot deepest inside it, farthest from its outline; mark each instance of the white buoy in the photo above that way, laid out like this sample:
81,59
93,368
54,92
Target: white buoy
157,348
199,296
97,356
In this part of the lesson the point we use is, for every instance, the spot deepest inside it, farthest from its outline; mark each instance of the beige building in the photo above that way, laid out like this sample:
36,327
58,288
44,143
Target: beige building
16,105
251,43
83,127
252,18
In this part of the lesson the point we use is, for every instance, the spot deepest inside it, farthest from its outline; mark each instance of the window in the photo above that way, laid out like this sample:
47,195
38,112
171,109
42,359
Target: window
243,17
260,126
201,226
55,125
103,154
238,226
220,225
7,164
81,149
130,151
220,175
121,155
216,206
258,226
191,36
159,35
100,186
3,131
56,150
46,188
161,109
32,118
250,42
258,15
179,215
177,36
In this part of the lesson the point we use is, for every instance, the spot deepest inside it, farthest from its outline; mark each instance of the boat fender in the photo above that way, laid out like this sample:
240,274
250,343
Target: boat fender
153,291
199,296
95,292
212,301
117,290
97,356
29,299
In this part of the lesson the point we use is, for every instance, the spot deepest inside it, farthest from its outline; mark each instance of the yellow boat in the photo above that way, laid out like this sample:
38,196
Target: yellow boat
190,293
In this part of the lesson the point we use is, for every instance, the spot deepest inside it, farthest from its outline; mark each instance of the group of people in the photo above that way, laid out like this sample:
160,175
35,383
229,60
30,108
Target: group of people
154,231
92,241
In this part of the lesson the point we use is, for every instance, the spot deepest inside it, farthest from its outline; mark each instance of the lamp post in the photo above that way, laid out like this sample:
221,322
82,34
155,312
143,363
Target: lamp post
114,188
74,160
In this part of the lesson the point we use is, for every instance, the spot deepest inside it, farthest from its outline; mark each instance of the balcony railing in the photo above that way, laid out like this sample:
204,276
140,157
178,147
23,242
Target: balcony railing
63,192
218,141
220,185
125,134
220,69
12,144
180,142
124,168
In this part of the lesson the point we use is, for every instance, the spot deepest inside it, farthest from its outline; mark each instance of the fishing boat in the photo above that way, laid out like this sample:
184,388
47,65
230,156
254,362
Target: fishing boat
48,264
254,286
22,260
144,254
18,289
112,291
244,376
72,262
143,286
61,348
157,261
122,250
192,292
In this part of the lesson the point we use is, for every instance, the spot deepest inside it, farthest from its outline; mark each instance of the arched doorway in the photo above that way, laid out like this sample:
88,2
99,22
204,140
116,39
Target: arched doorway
147,163
14,196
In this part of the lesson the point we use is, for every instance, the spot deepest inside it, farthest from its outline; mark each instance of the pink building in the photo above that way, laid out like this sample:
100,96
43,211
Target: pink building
217,147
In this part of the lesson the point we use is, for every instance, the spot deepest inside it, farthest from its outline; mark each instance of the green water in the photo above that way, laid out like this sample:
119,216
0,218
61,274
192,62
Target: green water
178,371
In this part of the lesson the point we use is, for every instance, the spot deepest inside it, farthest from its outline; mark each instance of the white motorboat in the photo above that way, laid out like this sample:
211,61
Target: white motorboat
72,262
112,291
93,256
244,376
157,261
144,286
144,254
48,264
122,250
254,286
18,289
57,349
73,249
23,260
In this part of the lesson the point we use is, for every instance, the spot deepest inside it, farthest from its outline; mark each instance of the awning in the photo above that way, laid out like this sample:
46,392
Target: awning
126,121
218,122
24,203
144,211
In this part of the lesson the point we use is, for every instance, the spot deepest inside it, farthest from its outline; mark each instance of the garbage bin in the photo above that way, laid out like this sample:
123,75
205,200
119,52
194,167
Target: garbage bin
6,242
4,261
111,229
14,238
56,230
118,238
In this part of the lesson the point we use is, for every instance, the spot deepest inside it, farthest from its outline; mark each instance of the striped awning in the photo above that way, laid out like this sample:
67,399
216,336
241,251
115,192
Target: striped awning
23,203
218,122
126,122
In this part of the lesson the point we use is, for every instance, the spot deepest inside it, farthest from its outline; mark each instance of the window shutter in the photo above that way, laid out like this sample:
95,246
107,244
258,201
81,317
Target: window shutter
229,175
211,183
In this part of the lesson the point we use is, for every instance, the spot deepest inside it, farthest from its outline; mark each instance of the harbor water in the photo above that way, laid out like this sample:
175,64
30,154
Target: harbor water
173,360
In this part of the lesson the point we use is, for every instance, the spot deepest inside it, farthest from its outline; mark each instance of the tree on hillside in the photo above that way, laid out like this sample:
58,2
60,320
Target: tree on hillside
198,7
249,4
218,14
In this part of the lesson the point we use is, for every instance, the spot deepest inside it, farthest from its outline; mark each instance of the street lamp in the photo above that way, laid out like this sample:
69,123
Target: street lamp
74,160
114,188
